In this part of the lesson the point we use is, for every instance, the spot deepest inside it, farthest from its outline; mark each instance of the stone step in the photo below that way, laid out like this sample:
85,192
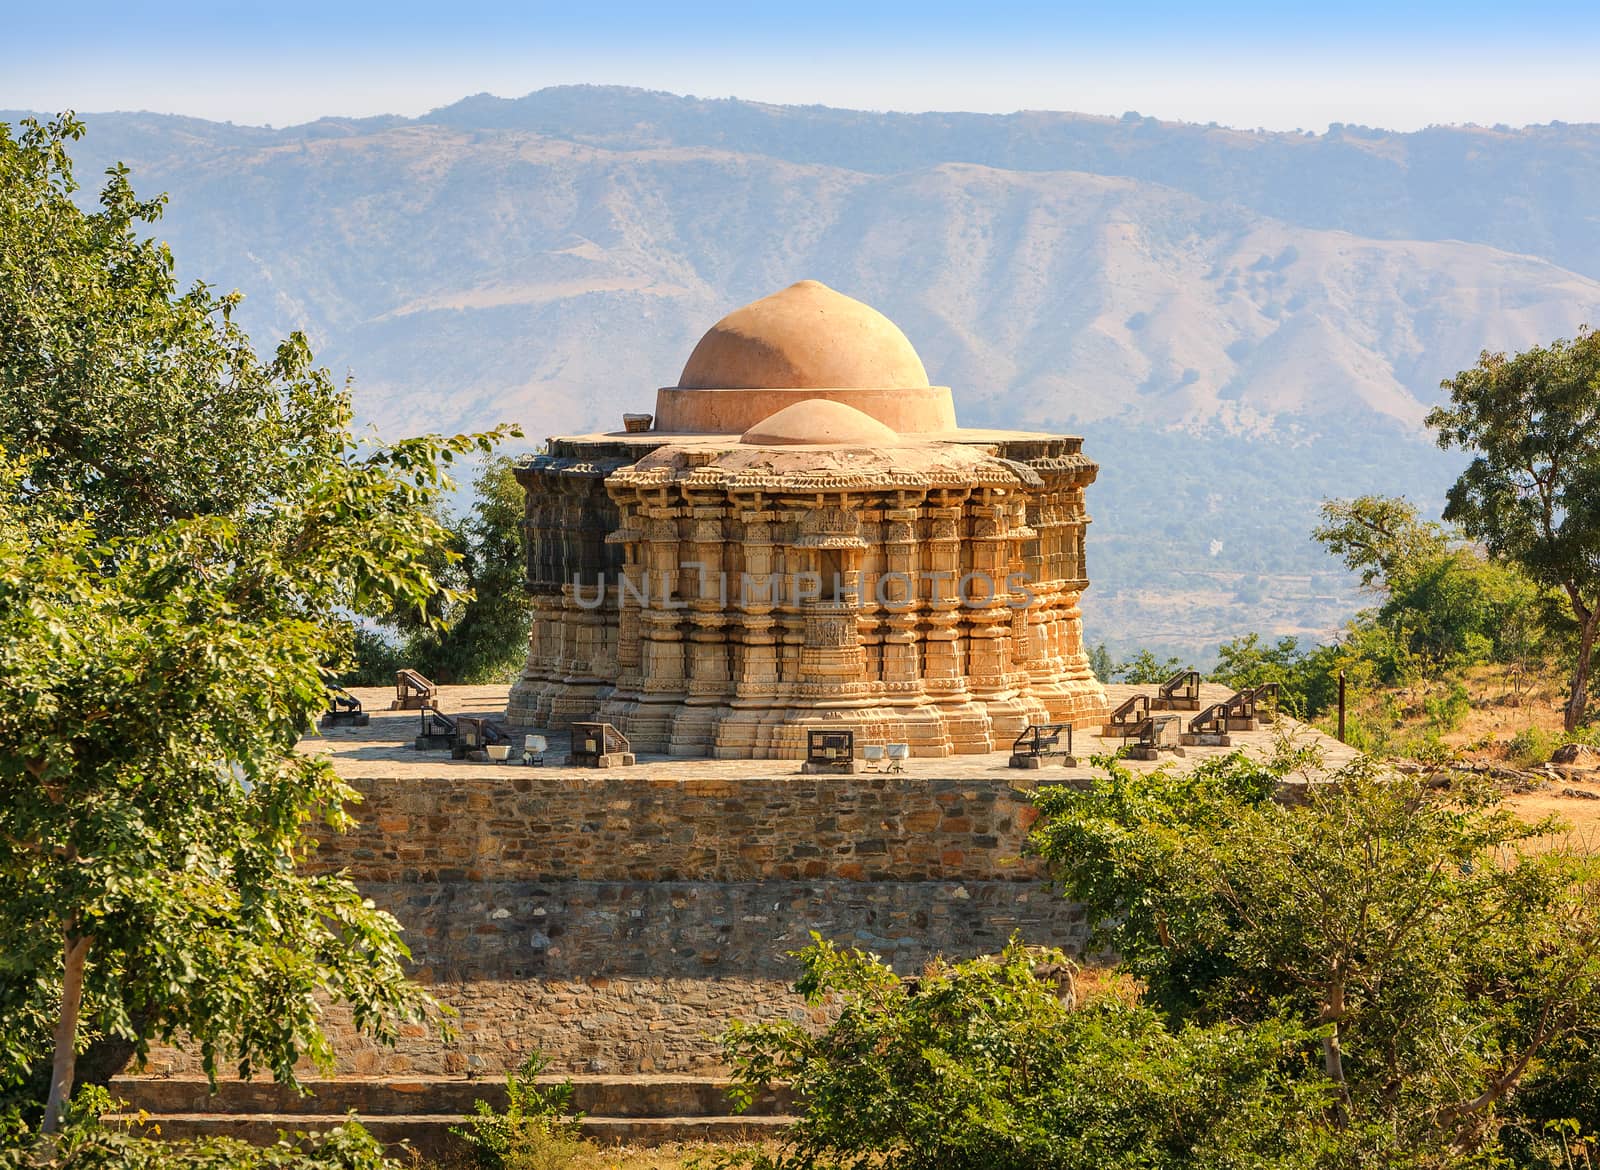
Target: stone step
639,1096
429,1133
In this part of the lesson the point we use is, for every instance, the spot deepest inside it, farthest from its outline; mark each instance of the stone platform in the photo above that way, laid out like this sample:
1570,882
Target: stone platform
382,750
619,920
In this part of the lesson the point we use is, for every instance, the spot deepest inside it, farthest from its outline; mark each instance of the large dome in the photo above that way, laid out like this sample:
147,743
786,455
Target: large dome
805,337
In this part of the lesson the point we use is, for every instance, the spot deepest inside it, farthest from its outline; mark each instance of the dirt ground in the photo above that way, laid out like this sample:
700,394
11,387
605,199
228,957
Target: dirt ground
1497,716
1497,712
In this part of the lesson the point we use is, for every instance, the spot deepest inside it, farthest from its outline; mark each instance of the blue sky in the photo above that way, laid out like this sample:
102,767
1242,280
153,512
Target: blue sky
1283,66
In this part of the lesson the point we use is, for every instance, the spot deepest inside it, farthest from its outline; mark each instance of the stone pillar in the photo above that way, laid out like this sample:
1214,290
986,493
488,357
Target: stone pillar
944,653
992,675
753,636
916,718
830,684
663,679
706,587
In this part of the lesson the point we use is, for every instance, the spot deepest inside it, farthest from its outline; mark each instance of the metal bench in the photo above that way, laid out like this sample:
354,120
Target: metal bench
412,692
1156,734
1209,728
437,730
1241,710
1265,697
1124,721
475,735
344,709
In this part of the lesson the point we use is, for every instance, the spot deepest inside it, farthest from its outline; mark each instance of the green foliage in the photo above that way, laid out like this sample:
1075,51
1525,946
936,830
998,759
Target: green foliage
984,1065
1437,958
1446,711
1144,668
537,1130
1380,537
1446,605
477,632
139,403
1460,609
1532,422
86,1142
1100,662
183,532
1306,677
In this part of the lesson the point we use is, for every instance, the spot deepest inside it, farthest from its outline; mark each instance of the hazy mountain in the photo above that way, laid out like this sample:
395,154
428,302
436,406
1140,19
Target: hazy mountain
1253,321
1524,190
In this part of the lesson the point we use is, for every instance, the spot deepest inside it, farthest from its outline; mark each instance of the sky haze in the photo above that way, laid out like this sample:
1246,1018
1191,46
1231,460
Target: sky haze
1279,66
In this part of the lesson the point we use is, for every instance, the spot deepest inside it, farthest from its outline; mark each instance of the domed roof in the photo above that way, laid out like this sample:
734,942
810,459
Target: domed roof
806,336
818,421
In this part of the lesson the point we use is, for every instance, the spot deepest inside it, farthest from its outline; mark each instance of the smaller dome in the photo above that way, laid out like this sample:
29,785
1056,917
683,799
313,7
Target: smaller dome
819,422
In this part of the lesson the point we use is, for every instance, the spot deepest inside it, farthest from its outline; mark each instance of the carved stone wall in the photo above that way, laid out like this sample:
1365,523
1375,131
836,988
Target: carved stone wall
715,611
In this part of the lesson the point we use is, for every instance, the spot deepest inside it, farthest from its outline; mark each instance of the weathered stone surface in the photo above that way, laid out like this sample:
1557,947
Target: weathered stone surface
641,977
581,929
529,824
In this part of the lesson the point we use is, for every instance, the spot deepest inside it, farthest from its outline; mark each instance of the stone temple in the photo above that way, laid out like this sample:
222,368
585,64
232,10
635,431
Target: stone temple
802,536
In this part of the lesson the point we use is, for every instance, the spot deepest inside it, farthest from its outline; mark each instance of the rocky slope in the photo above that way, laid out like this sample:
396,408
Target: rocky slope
1231,301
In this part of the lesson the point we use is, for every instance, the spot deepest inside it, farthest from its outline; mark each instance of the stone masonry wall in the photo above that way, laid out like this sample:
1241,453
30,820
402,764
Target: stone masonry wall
621,826
623,977
576,929
619,922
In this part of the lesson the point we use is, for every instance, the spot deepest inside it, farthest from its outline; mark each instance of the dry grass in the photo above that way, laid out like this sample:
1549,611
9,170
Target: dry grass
1500,714
672,1156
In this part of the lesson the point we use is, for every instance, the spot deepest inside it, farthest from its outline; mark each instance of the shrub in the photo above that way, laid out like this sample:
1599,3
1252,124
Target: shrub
87,1142
986,1065
1445,712
1531,745
1436,950
538,1129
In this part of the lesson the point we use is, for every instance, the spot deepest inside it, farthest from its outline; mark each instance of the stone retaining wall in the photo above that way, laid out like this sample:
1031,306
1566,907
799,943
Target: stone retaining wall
567,930
620,922
522,825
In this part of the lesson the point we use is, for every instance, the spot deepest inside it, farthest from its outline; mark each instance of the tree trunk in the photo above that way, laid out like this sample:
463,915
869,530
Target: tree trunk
76,954
1578,698
1332,1049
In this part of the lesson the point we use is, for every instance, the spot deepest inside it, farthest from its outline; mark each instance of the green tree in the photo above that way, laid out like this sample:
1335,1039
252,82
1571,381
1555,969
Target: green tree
1305,677
183,531
1100,662
478,631
1379,537
143,403
1461,609
1455,607
1144,667
1532,490
1436,954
